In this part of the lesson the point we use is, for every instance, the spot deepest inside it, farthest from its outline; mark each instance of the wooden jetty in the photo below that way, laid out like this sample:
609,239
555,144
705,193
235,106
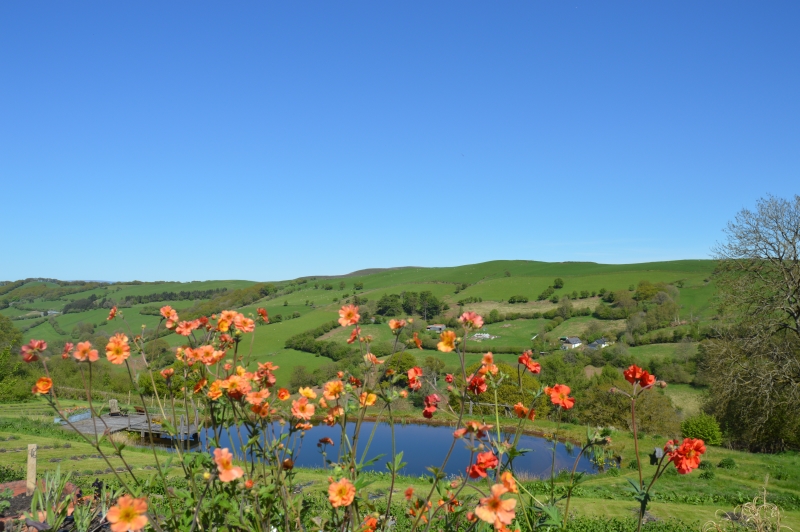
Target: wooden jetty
135,422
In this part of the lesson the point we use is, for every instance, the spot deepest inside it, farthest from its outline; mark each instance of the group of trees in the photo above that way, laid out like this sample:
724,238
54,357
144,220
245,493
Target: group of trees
424,304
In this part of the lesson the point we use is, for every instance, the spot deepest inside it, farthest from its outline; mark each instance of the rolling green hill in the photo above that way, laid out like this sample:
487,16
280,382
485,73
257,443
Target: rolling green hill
305,303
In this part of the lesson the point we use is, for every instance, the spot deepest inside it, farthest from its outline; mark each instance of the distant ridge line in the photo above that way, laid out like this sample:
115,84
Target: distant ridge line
357,273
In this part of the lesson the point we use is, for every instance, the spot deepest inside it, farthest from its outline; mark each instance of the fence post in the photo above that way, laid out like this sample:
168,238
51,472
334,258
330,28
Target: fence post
31,484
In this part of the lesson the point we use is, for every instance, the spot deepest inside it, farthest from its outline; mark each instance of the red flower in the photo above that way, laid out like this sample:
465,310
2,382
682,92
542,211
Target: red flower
112,314
477,384
526,360
30,352
167,373
67,348
413,378
430,405
636,375
448,378
263,313
687,456
483,462
559,396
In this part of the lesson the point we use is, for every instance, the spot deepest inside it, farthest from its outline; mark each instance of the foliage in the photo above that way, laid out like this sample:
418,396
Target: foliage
10,336
759,290
704,427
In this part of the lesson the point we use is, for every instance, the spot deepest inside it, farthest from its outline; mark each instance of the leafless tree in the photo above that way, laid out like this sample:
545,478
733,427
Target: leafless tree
753,365
759,270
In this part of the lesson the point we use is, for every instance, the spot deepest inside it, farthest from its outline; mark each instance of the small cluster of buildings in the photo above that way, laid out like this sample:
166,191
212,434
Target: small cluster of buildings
573,342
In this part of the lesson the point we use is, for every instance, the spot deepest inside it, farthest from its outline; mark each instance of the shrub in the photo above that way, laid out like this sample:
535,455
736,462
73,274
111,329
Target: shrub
707,475
703,427
727,463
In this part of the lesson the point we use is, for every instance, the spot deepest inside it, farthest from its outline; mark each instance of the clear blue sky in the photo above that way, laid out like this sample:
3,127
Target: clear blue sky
269,140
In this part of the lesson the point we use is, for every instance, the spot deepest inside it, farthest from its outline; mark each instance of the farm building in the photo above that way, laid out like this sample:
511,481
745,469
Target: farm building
571,343
436,327
600,343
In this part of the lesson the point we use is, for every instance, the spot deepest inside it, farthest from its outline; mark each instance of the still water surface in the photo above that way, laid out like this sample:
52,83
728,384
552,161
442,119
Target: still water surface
422,446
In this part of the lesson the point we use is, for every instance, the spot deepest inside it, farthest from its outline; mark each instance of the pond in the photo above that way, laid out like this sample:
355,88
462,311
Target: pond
423,446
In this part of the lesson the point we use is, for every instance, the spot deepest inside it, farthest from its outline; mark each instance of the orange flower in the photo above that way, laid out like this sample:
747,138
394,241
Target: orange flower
687,456
353,335
283,394
227,471
341,493
520,410
396,325
215,390
409,493
496,511
488,365
42,386
167,372
417,341
370,525
263,409
199,386
112,314
170,315
302,409
263,313
185,328
30,352
332,390
471,320
117,349
246,325
348,315
372,359
447,341
307,392
367,399
507,478
85,352
559,396
128,515
256,398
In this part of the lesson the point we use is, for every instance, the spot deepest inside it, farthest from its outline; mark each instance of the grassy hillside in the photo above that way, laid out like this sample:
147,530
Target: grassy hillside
304,305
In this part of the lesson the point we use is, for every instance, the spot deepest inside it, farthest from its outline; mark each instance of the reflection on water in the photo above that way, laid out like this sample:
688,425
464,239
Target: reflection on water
422,446
75,417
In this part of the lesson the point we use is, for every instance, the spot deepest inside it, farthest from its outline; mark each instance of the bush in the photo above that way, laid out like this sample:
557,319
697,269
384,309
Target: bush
705,466
727,463
704,427
707,475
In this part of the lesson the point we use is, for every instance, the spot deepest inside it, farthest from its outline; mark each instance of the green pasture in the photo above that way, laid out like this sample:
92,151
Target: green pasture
687,399
500,289
644,353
